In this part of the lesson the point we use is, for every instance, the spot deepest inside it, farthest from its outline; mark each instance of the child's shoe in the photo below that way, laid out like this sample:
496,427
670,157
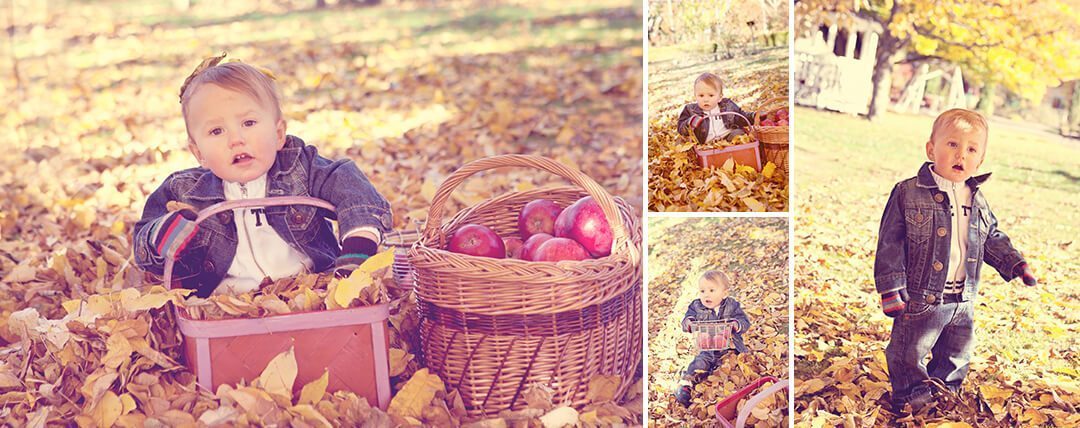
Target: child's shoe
682,395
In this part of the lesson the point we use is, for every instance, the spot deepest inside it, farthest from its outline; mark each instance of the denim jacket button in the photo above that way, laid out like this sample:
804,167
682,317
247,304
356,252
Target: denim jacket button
938,266
225,217
939,197
941,232
931,299
919,217
297,218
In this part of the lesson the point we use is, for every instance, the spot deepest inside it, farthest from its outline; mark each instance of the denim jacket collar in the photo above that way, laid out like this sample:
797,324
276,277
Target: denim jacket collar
210,188
926,179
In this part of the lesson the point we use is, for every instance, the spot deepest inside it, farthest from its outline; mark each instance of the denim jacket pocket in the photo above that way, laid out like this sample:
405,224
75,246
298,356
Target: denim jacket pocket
918,222
301,221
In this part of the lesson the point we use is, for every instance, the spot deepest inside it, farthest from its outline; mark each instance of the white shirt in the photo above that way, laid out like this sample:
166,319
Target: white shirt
260,251
716,125
960,217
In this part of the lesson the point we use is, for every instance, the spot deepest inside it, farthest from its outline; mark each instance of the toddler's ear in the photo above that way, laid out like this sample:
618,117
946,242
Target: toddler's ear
930,150
281,127
194,149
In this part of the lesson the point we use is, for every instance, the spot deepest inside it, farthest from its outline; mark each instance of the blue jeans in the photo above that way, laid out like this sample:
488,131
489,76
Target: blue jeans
944,331
703,364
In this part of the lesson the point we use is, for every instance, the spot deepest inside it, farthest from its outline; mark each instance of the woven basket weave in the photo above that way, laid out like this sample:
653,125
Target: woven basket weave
491,327
774,139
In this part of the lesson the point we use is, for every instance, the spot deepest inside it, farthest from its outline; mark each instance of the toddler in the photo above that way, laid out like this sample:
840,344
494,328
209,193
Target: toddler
703,117
713,304
236,131
936,233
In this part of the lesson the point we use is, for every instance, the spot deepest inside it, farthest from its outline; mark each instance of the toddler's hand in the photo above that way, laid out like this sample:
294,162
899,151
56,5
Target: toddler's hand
173,233
686,323
696,121
1024,272
892,303
353,253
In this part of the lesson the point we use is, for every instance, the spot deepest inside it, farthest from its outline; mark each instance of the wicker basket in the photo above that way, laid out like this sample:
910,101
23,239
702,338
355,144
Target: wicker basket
352,344
492,327
774,139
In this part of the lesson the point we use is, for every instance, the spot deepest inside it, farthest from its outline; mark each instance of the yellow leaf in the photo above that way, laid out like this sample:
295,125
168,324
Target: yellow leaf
950,425
753,204
560,417
399,359
119,351
310,415
991,392
279,375
349,288
411,400
729,166
313,392
768,170
128,403
108,410
603,388
376,262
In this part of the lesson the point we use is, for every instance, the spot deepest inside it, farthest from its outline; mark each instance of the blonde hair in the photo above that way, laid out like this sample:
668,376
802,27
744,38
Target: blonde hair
717,277
711,80
953,117
234,76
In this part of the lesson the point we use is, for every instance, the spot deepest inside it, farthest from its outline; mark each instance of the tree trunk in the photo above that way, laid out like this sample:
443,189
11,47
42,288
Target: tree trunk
986,102
671,19
1074,107
882,75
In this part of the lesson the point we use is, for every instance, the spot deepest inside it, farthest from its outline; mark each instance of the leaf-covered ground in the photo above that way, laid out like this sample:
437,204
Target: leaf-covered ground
676,180
754,252
1025,365
410,91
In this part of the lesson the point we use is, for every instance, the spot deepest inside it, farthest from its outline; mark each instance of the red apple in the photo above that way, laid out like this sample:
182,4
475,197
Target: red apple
768,122
556,249
782,122
477,240
538,217
585,223
528,249
782,113
513,247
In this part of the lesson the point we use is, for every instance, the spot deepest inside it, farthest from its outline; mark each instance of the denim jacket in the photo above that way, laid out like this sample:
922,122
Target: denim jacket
297,171
729,309
702,132
913,243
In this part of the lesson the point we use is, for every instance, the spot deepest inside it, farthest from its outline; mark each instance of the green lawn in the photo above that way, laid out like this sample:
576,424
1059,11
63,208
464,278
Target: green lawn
845,168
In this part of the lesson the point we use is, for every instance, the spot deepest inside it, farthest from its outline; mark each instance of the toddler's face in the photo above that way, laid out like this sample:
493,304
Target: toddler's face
707,96
957,151
232,134
711,293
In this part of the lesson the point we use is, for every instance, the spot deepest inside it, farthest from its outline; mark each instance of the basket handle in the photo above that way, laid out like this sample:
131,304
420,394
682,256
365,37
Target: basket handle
433,229
753,401
245,203
731,113
768,103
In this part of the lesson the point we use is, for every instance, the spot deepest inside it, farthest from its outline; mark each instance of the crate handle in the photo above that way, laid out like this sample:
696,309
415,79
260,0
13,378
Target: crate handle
433,230
245,203
757,398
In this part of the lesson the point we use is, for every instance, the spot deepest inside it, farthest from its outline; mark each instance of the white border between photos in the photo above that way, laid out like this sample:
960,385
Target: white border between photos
646,215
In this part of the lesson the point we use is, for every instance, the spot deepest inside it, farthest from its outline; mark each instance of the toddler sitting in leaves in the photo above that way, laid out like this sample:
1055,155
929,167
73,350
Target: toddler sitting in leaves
713,304
703,119
236,131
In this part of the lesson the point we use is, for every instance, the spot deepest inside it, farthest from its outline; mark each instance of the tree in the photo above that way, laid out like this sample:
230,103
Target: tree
1022,46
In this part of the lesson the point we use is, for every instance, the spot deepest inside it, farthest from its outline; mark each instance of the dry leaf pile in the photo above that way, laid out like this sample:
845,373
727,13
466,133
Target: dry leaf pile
677,182
366,286
754,252
411,91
